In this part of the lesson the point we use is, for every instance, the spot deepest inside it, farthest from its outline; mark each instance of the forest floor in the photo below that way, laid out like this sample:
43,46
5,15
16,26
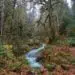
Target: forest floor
57,71
72,49
71,71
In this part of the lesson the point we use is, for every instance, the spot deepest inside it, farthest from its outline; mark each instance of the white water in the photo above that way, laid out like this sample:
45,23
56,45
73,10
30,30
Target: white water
32,56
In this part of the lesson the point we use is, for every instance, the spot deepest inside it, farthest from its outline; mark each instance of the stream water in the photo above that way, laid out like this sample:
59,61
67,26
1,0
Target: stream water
32,56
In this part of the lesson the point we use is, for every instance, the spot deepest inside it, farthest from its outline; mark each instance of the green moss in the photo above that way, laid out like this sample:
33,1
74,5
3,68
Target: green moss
50,67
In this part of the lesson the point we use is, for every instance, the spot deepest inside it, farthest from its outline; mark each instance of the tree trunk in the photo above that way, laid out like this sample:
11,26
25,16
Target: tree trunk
2,17
50,22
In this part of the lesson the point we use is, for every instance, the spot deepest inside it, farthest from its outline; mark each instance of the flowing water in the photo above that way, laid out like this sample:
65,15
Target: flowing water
32,56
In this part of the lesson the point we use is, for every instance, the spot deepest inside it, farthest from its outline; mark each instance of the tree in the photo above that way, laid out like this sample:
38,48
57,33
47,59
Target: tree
51,17
73,7
1,16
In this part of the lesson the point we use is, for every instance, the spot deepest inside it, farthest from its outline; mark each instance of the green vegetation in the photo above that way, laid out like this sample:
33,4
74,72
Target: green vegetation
25,24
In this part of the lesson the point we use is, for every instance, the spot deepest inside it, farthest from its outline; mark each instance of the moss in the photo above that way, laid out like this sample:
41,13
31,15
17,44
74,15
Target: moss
50,67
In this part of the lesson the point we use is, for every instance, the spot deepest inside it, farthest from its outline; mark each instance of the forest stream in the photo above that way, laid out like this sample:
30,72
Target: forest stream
32,56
